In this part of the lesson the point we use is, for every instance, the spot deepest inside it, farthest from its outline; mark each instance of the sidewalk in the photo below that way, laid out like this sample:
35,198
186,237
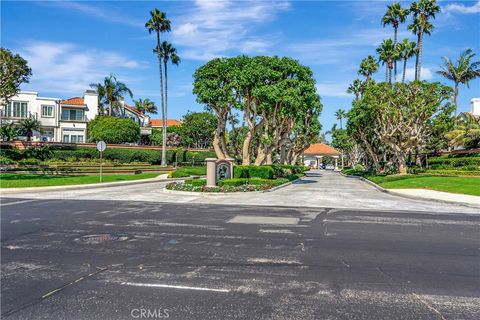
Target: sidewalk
437,195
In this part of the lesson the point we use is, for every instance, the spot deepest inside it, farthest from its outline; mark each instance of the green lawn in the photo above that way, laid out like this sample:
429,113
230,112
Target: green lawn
12,180
189,171
463,185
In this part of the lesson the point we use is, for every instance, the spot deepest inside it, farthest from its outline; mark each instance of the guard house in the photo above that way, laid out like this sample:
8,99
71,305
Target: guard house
313,156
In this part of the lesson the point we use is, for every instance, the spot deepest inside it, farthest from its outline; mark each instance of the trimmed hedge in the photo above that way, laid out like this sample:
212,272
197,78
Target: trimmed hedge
196,182
188,171
267,171
122,155
444,163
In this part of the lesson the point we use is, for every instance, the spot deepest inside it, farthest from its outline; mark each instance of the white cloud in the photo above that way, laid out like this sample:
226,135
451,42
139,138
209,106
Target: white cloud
425,74
461,8
67,68
110,13
332,89
213,28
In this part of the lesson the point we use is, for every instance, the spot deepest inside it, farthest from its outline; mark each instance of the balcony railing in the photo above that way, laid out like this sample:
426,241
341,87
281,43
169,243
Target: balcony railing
76,119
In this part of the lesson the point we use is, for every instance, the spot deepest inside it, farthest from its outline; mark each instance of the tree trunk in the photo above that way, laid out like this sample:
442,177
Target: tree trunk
261,154
164,124
164,129
395,45
269,159
455,97
217,146
418,64
386,72
400,157
404,69
246,148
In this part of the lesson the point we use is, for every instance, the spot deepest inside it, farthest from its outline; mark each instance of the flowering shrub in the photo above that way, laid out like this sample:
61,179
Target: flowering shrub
177,186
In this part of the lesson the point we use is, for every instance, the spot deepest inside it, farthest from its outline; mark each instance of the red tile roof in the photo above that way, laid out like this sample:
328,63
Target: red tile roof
133,110
170,123
77,101
321,149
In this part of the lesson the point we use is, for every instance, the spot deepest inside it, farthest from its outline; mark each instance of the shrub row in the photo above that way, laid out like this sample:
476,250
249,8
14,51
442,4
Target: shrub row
188,187
188,171
444,163
113,154
267,171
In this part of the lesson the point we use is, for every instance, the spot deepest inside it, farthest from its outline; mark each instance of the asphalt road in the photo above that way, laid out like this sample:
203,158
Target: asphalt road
80,259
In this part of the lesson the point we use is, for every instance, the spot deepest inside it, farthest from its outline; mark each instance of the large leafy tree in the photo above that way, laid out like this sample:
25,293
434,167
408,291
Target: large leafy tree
403,114
113,130
197,129
387,53
423,11
14,71
406,50
27,126
461,71
395,15
158,23
111,92
368,67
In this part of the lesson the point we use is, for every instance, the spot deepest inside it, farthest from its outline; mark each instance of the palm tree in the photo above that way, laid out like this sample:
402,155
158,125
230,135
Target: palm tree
356,88
168,52
407,49
340,114
368,66
422,10
387,53
27,126
145,106
111,92
461,71
159,23
466,133
395,15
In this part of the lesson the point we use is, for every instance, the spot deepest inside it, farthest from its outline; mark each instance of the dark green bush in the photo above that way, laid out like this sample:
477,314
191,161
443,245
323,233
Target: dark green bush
196,182
188,171
264,172
453,162
113,130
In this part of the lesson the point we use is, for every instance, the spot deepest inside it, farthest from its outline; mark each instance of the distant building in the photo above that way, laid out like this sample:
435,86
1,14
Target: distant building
313,155
60,120
64,120
156,123
474,109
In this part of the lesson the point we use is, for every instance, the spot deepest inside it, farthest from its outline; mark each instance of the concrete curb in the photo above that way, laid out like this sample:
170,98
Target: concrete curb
398,194
85,186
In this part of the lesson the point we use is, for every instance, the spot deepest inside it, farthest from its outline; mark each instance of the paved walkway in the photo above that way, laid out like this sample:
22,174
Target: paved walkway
324,189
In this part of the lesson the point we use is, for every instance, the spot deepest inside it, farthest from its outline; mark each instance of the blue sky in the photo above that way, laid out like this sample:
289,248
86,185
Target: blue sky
72,44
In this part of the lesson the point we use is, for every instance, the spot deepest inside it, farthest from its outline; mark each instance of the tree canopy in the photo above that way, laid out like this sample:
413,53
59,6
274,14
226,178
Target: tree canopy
113,130
14,71
274,96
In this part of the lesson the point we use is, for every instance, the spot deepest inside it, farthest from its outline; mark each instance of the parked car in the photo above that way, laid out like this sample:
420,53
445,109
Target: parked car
330,167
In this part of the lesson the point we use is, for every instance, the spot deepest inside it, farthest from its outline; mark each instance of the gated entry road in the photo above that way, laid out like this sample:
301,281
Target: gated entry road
321,189
97,259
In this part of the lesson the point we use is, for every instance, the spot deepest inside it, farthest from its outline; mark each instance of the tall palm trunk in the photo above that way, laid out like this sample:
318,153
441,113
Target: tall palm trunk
404,69
395,33
418,62
455,97
164,137
110,107
164,125
386,72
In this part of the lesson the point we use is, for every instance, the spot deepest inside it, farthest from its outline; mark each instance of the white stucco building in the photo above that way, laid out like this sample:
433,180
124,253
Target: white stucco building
63,120
60,120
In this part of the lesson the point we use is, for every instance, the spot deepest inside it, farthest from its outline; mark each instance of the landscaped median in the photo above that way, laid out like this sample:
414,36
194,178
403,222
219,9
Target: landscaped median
468,185
246,179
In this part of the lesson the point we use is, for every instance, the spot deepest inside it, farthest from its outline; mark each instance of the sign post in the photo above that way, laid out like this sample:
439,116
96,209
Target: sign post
101,146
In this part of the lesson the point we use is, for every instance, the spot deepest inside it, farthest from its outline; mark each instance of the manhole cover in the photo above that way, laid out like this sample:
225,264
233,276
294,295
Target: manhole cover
101,238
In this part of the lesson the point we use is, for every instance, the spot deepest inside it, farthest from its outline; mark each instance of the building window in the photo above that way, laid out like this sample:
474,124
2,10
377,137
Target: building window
47,111
73,135
72,115
17,109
